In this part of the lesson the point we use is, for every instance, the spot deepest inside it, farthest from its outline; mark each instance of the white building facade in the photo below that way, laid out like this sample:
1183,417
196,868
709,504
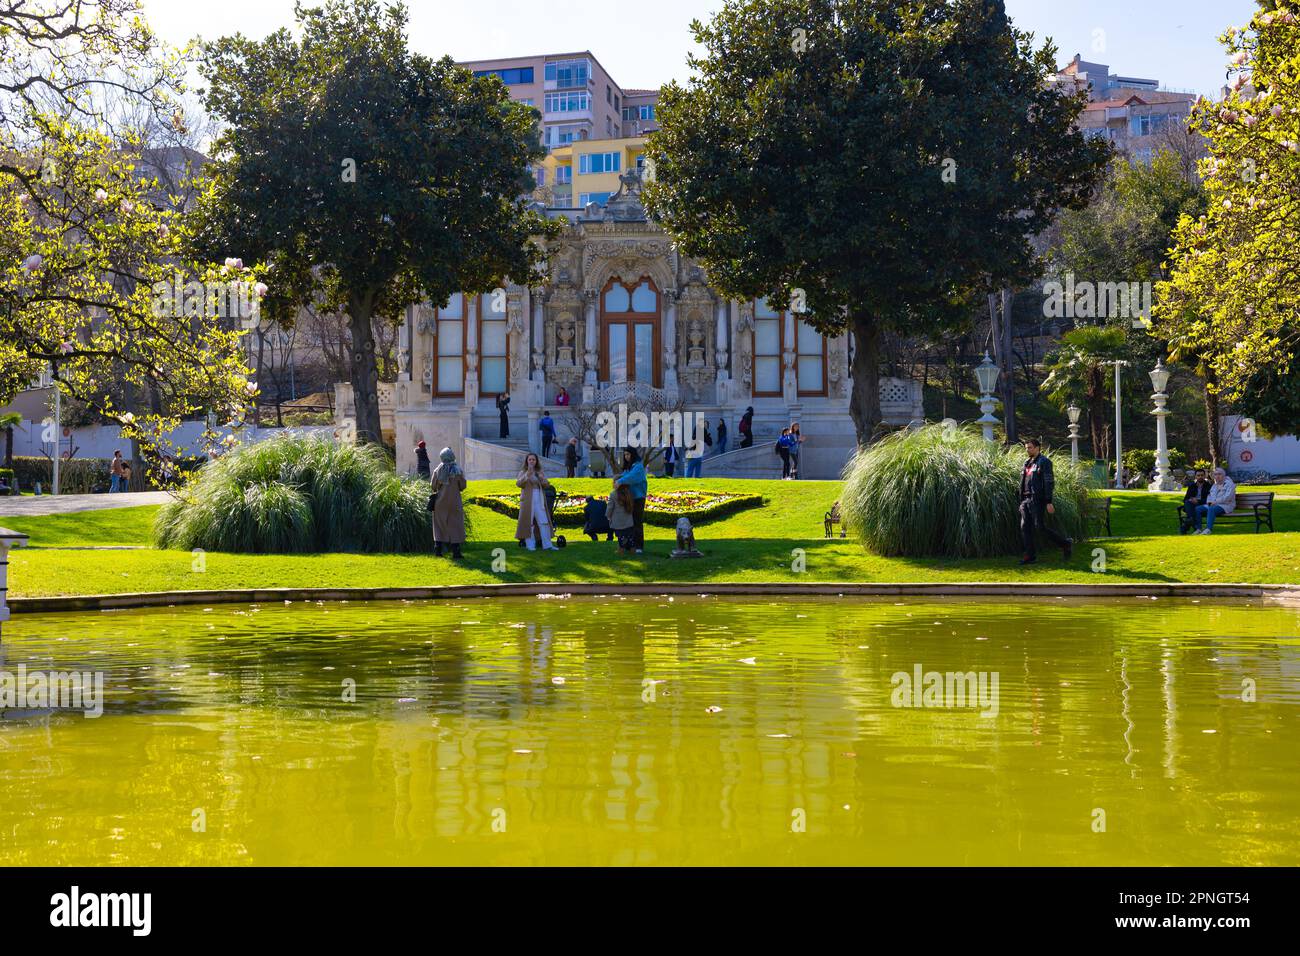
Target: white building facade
623,316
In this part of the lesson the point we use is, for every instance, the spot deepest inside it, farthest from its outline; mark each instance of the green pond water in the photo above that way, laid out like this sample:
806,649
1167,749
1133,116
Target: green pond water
654,731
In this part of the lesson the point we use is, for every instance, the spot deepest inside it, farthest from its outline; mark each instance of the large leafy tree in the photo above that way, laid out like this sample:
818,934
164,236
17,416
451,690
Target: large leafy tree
85,234
1233,300
364,174
889,158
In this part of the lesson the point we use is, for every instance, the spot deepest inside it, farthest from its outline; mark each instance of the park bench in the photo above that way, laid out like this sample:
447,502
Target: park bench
832,519
1098,510
1254,506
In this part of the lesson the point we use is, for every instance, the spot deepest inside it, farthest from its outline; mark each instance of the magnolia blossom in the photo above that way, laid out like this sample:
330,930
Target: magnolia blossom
1276,110
163,230
251,387
33,262
1250,310
260,289
128,206
126,418
1227,204
101,194
66,347
1240,58
1228,116
1248,120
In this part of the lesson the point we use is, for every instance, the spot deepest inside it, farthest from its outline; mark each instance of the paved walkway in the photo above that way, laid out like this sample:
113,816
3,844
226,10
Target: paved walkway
29,505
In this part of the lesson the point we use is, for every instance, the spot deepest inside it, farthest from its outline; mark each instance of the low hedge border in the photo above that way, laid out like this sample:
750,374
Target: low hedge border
508,505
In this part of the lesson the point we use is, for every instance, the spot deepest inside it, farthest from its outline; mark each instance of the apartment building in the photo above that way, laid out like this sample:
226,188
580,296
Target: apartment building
587,171
576,96
1133,113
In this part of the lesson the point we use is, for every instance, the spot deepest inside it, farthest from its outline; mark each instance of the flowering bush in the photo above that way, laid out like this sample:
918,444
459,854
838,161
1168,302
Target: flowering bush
661,509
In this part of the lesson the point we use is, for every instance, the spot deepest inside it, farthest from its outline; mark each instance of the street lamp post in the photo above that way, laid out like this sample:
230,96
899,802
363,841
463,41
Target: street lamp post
1074,412
986,374
1164,480
1119,426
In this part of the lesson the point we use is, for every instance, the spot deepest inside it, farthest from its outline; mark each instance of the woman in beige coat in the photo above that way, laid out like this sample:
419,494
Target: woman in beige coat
534,519
447,483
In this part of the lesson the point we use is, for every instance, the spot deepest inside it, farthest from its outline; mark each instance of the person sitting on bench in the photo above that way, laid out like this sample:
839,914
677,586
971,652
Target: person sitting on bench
1220,500
1194,497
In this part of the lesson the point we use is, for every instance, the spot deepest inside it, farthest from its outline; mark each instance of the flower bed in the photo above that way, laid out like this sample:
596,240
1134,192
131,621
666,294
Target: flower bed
662,508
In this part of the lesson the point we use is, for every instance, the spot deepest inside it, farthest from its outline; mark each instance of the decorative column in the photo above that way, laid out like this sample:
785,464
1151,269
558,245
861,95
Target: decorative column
670,341
721,341
1164,479
539,336
789,378
8,539
471,351
589,354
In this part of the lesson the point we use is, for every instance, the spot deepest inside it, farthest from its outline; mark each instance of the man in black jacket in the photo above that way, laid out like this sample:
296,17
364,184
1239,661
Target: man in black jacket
1195,494
1036,486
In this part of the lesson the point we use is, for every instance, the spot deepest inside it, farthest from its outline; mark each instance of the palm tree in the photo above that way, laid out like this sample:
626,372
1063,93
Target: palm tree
8,422
1076,372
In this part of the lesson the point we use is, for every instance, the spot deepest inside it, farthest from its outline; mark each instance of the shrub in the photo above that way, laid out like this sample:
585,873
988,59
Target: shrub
77,476
935,492
1144,459
294,494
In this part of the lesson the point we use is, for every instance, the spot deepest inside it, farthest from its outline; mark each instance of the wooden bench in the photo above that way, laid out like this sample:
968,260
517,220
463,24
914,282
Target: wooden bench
1254,506
832,519
1098,509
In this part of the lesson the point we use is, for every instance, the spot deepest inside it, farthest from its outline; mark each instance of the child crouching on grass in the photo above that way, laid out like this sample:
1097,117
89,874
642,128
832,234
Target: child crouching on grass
619,512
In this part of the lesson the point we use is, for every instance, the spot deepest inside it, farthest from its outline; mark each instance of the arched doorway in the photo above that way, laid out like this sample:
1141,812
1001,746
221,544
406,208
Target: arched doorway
630,345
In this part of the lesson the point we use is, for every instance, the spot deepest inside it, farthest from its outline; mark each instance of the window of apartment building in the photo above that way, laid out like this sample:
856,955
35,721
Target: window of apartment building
561,135
563,174
609,126
769,344
615,102
568,73
567,102
609,93
493,344
449,373
598,163
599,198
629,113
512,77
1140,126
527,101
540,173
646,112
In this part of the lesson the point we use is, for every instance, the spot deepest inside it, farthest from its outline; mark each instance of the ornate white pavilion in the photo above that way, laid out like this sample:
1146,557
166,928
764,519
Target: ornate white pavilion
622,315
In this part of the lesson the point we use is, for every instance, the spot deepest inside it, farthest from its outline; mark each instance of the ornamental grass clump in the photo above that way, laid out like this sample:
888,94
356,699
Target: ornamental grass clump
295,494
946,492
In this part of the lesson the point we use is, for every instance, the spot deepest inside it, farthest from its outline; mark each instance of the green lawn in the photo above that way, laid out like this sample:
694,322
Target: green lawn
753,546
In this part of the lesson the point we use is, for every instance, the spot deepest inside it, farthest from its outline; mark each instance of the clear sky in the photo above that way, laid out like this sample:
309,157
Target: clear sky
644,44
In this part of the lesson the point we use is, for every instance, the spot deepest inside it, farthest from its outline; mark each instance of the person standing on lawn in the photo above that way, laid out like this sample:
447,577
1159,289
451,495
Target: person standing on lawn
534,518
1036,486
571,457
671,454
1220,500
503,406
446,484
634,477
1197,491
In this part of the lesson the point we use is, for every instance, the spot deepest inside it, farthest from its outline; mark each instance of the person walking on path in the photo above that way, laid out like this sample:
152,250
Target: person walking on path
746,427
722,436
534,518
1036,486
422,460
503,406
1221,500
572,455
783,451
447,483
1197,491
547,429
633,476
796,441
115,473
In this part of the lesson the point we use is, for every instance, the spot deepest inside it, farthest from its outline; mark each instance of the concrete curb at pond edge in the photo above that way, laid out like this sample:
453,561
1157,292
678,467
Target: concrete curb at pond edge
1273,593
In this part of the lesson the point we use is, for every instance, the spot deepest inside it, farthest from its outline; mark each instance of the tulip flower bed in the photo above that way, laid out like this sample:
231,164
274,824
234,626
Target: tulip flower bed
662,508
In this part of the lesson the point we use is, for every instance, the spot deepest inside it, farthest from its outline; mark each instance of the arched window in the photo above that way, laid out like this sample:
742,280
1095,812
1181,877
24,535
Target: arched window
449,370
770,342
630,346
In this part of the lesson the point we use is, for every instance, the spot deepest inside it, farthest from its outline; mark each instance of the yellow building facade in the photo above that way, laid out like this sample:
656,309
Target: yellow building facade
587,171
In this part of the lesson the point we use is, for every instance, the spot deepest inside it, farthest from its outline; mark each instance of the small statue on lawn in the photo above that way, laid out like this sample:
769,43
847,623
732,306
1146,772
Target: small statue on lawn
685,540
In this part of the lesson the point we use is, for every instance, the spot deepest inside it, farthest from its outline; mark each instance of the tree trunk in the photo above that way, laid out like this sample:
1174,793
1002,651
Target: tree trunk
9,447
365,371
864,403
1008,371
1212,433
